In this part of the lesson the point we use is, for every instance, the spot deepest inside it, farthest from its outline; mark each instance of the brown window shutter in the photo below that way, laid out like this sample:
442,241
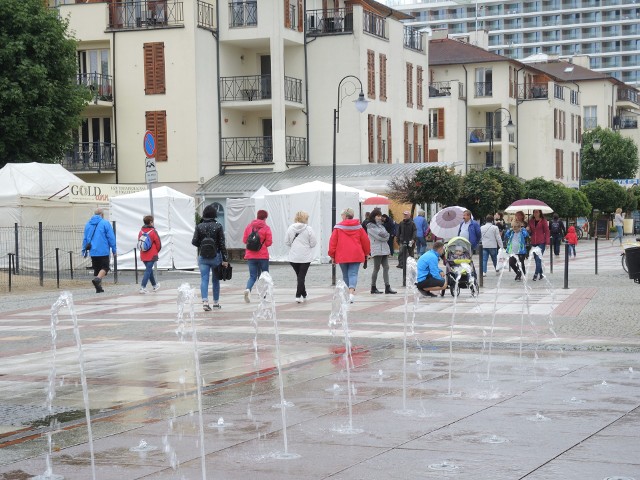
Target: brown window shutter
419,88
159,68
433,155
371,74
441,123
287,19
389,152
573,127
149,70
573,165
555,123
156,122
416,141
383,77
300,15
154,75
425,142
561,163
406,142
409,85
379,137
510,82
579,139
370,140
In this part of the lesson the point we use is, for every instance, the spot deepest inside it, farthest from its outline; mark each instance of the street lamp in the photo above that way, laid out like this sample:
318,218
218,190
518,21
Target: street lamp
510,127
361,105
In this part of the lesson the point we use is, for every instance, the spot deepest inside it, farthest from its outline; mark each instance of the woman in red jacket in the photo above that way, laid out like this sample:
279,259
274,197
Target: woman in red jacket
539,231
258,260
150,257
348,247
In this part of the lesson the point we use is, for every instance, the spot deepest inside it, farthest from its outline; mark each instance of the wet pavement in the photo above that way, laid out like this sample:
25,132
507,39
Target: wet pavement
544,383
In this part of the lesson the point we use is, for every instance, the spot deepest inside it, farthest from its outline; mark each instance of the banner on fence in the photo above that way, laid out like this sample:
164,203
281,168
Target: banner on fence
101,192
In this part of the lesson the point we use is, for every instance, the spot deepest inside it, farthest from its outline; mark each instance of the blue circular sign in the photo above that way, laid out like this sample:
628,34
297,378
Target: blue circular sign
149,144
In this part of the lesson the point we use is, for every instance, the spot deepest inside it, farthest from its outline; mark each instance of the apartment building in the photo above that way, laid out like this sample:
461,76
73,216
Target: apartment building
605,30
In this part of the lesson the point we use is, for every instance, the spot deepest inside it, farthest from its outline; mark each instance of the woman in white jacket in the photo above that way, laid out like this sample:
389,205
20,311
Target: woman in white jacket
301,241
379,237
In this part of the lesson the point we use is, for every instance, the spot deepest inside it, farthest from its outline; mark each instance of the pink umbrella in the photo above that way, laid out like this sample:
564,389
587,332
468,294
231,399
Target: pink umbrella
527,205
377,201
446,223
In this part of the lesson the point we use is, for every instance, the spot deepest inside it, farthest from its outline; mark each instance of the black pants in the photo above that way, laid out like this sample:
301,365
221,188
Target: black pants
301,273
519,269
555,241
404,251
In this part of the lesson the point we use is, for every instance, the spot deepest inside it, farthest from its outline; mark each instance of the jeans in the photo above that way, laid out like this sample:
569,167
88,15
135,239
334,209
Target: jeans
619,234
486,253
556,240
377,261
537,259
206,266
256,267
350,274
148,274
301,273
572,249
421,245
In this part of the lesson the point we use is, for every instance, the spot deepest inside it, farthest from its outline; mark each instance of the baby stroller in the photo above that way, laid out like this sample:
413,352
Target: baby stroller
457,252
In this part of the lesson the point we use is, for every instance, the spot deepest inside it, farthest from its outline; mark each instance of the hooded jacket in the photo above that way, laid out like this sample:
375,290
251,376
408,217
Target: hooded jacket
523,241
349,243
264,232
301,241
571,237
151,255
378,238
99,233
209,227
539,232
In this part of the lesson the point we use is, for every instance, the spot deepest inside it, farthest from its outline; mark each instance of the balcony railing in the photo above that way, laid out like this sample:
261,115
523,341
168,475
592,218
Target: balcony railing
247,150
484,89
207,16
628,95
440,89
90,157
330,21
296,150
245,88
483,134
133,15
533,91
374,24
99,84
590,123
293,89
243,14
413,38
628,122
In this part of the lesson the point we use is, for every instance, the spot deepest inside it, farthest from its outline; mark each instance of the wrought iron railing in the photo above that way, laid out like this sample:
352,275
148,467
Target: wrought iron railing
533,91
248,88
374,24
293,89
99,84
141,14
413,38
330,21
628,122
90,157
483,134
207,16
628,95
245,150
590,123
243,13
484,89
296,149
440,89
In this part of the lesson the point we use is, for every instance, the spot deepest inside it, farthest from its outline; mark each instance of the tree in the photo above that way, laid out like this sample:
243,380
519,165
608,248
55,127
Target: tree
481,194
616,158
631,202
437,185
39,98
555,195
580,206
512,186
403,189
605,195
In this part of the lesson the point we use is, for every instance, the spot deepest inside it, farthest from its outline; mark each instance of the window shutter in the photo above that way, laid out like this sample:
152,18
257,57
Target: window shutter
555,123
573,165
579,139
156,122
389,152
371,74
154,75
383,77
441,123
379,137
406,142
433,155
419,88
416,142
510,82
300,15
370,142
425,142
409,85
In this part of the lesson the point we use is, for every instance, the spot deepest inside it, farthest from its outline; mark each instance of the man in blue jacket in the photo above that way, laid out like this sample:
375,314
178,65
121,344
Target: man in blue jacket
97,240
421,233
430,277
470,229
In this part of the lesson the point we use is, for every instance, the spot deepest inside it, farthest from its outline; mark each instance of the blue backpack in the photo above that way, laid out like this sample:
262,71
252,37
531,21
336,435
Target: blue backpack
144,241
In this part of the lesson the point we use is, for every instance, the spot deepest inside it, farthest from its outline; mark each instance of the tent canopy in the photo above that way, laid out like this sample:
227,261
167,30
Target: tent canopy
41,180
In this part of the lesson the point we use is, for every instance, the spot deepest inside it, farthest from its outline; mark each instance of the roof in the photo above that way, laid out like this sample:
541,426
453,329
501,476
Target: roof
372,177
448,51
569,72
383,10
35,179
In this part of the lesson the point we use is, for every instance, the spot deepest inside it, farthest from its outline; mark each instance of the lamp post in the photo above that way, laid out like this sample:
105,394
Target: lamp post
510,127
361,105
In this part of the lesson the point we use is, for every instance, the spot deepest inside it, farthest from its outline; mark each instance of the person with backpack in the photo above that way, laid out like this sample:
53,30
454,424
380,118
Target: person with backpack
208,237
257,239
98,239
557,232
149,245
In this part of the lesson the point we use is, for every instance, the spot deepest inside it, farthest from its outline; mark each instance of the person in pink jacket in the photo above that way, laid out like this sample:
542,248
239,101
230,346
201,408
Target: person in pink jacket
258,261
348,247
538,229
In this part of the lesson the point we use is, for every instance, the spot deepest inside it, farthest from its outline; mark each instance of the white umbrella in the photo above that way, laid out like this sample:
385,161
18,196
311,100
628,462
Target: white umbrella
446,223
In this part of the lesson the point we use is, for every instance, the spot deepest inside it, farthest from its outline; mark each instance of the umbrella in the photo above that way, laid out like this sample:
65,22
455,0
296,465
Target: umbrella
446,223
377,201
527,205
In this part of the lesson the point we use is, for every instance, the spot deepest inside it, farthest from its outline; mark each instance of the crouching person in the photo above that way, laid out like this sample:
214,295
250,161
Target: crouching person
430,277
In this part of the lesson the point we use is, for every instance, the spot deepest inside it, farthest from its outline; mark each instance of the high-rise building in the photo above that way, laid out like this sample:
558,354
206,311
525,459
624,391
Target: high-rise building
605,30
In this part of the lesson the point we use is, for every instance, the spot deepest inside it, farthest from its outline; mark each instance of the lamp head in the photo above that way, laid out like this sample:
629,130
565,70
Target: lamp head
511,128
596,144
361,102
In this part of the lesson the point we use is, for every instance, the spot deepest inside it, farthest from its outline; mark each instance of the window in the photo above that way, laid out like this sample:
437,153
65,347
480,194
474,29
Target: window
407,145
436,123
484,82
389,157
371,132
156,122
590,117
379,140
383,77
409,85
419,88
371,74
154,68
93,71
416,142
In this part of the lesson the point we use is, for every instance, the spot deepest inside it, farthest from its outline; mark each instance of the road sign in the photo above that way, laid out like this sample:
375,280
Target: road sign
151,176
149,144
150,165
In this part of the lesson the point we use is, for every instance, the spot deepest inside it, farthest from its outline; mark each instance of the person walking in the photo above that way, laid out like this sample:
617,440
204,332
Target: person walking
257,238
470,229
97,240
348,247
430,277
421,233
209,238
149,256
491,242
618,222
516,238
378,239
557,232
539,230
498,221
301,241
572,240
390,226
406,238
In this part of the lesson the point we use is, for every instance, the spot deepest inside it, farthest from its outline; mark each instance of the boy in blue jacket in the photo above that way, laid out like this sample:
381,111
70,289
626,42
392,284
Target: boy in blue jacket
516,239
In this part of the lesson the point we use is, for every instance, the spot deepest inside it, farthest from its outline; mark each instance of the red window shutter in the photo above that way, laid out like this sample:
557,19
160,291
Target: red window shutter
389,152
383,77
425,142
300,15
156,122
419,88
441,123
370,141
379,137
371,74
406,142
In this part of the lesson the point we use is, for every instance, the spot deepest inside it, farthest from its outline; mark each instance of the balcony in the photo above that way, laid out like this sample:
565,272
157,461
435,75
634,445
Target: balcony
296,150
207,16
533,91
413,39
440,89
483,135
247,150
628,122
99,84
243,14
245,88
89,157
483,89
628,95
330,21
145,14
374,24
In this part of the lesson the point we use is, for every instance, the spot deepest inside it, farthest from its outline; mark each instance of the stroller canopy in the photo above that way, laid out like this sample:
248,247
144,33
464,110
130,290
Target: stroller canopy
457,243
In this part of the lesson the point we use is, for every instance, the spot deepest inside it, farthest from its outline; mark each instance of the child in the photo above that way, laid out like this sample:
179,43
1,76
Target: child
516,239
572,239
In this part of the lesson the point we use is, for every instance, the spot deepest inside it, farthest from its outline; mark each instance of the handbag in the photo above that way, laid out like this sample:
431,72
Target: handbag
224,273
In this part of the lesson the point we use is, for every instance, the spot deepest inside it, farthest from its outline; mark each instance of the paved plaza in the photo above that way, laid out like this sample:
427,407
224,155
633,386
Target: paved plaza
527,380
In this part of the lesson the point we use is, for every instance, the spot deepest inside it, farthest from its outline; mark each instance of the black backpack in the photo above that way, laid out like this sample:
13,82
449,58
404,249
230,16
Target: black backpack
555,227
253,241
208,247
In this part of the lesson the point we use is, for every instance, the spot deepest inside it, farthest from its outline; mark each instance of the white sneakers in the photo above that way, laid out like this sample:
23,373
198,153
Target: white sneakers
143,291
299,299
156,287
352,298
247,292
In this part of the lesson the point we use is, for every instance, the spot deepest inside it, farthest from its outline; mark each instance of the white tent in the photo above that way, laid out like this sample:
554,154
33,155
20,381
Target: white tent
313,198
239,213
174,215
